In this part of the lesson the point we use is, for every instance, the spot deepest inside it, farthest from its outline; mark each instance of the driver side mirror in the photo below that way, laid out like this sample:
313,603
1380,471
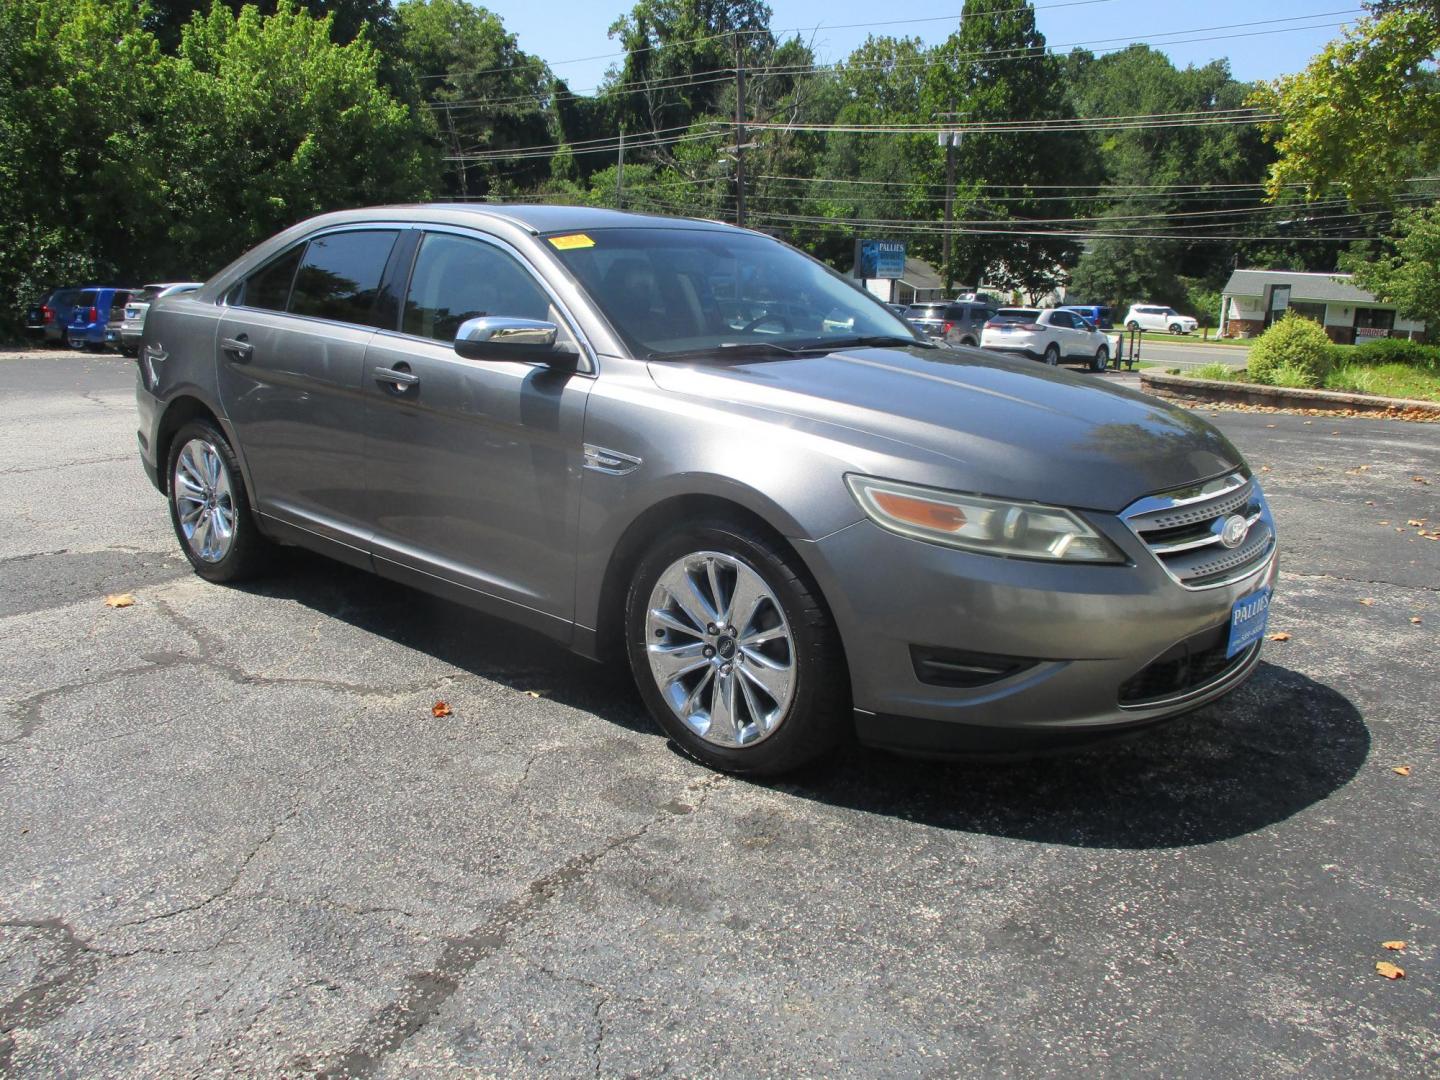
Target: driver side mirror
498,338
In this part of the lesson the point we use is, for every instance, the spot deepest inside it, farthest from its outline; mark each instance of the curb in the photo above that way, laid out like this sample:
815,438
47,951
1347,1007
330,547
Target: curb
1209,391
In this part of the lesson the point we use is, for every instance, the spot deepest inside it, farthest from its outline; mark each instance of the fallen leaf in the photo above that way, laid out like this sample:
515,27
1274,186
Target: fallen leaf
1415,522
1384,523
1390,971
123,599
1264,468
1269,425
1393,946
1415,619
440,709
1281,636
1401,770
533,693
1420,480
1368,602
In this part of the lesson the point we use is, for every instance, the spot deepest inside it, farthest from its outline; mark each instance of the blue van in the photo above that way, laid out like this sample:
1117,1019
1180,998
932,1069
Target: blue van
91,313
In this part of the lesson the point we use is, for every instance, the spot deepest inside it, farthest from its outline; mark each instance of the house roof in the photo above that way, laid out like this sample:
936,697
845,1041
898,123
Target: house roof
1335,288
921,275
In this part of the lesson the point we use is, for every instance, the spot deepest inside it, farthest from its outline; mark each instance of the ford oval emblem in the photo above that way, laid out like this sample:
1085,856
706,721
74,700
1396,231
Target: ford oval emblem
1234,531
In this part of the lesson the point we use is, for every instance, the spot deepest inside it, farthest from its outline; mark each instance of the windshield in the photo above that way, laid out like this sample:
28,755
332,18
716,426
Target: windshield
680,291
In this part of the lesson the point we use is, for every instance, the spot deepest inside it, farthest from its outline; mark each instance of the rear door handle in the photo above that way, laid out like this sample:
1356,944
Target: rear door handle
238,349
398,379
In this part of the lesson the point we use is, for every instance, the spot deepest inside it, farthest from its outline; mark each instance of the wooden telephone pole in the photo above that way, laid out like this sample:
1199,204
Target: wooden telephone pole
739,131
950,140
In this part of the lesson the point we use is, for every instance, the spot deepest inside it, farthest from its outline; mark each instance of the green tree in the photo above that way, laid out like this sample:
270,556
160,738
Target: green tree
1364,116
995,67
484,93
1406,276
279,123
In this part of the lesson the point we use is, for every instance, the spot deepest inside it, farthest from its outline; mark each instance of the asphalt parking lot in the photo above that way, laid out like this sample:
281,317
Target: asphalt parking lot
237,842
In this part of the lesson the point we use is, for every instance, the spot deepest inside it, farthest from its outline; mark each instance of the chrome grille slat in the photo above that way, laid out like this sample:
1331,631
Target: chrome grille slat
1198,562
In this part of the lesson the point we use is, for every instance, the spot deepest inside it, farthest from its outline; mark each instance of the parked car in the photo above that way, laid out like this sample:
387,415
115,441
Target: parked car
950,321
54,313
1098,314
541,412
131,317
36,315
90,316
1051,335
1158,317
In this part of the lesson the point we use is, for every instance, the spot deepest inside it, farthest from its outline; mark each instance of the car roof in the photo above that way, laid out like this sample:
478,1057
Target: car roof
544,218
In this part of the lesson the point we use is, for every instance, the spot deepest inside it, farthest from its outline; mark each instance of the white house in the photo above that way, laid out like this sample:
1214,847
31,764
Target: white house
1253,299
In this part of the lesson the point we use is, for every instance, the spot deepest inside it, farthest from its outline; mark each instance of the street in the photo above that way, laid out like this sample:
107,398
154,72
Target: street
237,841
1181,353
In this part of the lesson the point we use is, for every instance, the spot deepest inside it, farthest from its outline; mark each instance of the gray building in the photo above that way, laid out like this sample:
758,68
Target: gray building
1253,299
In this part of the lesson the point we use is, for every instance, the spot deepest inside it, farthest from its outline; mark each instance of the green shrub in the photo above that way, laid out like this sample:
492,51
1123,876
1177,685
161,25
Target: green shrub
1395,351
1296,378
1217,370
1295,343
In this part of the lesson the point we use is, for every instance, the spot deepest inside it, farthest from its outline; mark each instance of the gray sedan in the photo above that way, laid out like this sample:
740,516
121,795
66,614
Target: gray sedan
695,451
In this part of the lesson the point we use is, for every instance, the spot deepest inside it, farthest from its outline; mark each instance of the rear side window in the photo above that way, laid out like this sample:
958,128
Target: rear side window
269,287
340,275
1062,318
457,278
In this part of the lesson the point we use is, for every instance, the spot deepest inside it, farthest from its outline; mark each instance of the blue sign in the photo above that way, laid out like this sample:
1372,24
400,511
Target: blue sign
1247,621
882,259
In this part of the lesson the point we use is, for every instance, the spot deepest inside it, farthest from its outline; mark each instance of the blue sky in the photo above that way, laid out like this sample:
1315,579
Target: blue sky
566,30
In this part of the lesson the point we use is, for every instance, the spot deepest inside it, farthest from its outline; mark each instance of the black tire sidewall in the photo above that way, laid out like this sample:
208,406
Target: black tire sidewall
818,717
242,560
1051,350
1101,360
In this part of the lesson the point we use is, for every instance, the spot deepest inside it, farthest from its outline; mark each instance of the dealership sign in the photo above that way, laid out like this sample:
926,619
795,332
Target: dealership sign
881,259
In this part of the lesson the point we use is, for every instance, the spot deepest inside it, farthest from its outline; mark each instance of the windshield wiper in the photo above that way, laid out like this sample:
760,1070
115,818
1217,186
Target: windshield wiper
867,341
729,348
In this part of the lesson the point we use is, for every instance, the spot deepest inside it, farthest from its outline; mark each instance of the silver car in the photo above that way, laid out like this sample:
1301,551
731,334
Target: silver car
132,322
695,451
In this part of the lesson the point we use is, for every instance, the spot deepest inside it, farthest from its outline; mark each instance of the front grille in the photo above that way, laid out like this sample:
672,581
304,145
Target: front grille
1187,666
1183,529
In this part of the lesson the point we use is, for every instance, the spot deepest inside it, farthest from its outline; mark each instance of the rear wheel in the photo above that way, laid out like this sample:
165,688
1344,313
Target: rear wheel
210,508
1052,354
1132,325
1176,328
733,650
1102,359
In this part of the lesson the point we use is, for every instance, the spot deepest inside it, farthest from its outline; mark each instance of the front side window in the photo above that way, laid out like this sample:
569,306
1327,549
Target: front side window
340,275
457,278
269,287
670,292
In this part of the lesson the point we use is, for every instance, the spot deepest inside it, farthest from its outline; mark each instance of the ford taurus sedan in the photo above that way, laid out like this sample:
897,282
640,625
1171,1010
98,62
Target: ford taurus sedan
696,451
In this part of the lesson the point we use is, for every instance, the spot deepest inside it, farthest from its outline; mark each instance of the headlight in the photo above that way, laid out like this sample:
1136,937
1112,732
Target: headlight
992,526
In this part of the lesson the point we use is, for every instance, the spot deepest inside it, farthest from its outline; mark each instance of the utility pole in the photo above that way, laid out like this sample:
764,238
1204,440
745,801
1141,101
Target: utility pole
620,174
739,132
951,140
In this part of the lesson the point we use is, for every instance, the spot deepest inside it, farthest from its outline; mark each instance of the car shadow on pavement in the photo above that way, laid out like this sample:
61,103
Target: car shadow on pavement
469,640
1276,746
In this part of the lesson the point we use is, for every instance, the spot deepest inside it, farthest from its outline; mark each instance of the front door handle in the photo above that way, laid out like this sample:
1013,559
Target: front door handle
238,348
399,378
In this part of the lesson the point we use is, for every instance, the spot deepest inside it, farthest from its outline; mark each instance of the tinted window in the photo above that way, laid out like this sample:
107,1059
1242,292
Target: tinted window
924,311
1061,318
1016,315
340,275
457,279
269,287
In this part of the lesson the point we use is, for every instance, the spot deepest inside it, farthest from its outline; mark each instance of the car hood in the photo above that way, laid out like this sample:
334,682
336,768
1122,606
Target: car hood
995,426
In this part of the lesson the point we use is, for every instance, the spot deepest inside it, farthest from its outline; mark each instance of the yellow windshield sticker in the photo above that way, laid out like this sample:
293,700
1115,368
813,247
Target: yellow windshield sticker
571,242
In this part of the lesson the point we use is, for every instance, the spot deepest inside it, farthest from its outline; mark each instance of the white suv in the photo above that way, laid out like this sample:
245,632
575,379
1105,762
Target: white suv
1050,335
1156,317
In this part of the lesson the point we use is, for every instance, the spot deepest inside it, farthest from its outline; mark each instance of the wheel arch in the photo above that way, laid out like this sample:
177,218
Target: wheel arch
180,410
606,642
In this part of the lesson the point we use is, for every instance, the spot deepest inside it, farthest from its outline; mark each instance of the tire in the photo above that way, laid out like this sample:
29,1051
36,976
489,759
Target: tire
969,342
214,559
1102,359
1176,328
1052,354
1132,325
795,710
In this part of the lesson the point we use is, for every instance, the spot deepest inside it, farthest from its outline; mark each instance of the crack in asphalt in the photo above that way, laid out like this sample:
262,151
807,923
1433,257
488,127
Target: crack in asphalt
62,983
398,1022
1361,581
52,465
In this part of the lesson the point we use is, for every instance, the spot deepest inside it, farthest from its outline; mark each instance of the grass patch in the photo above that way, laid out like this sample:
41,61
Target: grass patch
1387,380
1218,371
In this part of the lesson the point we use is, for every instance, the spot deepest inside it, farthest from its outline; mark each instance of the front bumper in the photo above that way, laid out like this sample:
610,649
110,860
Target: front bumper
1084,631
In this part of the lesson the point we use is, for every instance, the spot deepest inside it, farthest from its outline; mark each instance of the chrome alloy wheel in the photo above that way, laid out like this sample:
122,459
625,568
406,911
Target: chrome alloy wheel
720,650
204,502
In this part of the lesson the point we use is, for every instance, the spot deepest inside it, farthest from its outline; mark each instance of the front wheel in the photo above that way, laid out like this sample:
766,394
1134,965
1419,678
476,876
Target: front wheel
734,651
1176,328
210,508
1052,354
1102,359
1132,325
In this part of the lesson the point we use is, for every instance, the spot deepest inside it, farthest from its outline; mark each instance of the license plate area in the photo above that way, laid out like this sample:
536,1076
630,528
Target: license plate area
1248,617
